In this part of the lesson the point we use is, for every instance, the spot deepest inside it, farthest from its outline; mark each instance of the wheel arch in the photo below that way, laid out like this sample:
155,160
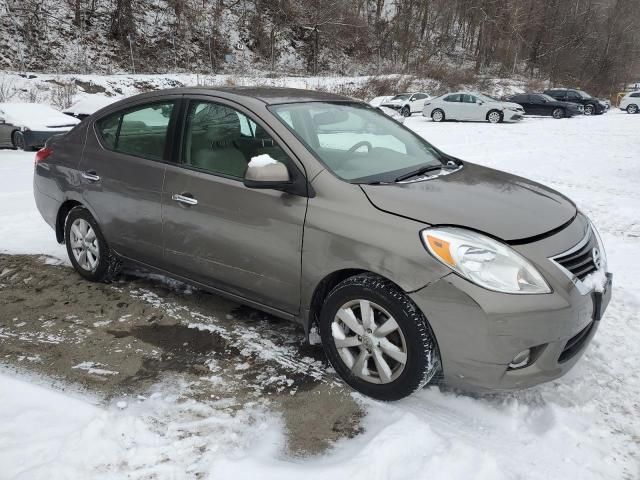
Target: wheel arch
63,211
324,287
486,117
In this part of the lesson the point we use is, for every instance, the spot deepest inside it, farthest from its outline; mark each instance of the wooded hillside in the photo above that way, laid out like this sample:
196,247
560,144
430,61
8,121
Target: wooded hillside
593,44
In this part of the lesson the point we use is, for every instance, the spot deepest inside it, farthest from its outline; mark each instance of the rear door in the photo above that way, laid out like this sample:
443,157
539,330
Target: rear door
244,241
537,106
451,104
122,171
417,103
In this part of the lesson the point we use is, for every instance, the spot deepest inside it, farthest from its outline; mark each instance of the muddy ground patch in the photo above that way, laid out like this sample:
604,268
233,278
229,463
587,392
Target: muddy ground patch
125,338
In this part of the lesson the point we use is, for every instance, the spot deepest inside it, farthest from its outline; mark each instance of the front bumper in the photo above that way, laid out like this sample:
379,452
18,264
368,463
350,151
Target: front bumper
479,332
512,116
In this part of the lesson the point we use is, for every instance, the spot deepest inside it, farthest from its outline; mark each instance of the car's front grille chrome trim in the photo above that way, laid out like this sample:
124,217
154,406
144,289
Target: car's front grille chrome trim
578,262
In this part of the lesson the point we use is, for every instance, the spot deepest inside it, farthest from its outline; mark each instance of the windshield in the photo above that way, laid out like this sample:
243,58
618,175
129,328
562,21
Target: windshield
356,142
486,98
402,96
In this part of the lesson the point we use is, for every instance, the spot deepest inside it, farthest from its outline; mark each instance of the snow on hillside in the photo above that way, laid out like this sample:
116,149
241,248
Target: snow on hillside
585,425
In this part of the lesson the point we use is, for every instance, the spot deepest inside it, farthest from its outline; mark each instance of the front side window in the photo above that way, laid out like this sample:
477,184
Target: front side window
141,131
221,140
466,98
453,98
356,142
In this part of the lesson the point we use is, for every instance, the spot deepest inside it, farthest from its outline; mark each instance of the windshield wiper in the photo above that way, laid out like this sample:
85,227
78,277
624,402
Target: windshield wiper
420,171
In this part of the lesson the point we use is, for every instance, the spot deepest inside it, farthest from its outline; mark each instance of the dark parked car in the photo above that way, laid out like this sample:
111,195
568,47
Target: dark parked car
541,104
592,105
323,210
27,126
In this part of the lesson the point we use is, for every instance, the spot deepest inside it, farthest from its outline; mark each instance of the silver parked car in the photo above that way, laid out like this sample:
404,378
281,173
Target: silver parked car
471,106
412,265
27,126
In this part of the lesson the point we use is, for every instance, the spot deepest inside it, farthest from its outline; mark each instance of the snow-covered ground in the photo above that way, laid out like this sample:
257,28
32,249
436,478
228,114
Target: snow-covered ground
585,425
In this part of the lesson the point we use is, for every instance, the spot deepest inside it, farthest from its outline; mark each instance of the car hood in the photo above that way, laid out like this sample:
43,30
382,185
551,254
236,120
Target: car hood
494,202
393,102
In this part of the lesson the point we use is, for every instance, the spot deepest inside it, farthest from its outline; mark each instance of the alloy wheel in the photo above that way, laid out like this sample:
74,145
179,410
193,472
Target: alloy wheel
84,245
557,113
632,109
494,117
588,110
437,116
406,112
369,341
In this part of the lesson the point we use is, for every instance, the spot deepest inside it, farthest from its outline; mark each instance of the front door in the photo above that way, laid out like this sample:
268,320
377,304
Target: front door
122,171
220,233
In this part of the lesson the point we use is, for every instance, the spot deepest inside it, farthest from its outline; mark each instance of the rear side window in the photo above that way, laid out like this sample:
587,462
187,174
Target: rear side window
141,131
452,98
635,95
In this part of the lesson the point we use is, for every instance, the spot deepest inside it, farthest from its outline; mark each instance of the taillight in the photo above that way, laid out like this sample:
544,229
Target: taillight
42,154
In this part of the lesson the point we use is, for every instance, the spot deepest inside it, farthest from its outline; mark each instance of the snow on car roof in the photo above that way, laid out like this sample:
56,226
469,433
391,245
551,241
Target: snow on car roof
35,115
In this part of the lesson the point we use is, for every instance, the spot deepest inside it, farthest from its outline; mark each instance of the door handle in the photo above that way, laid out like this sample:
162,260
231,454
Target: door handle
91,176
184,198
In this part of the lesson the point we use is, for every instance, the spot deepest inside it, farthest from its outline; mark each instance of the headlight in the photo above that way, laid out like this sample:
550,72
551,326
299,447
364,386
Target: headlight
483,260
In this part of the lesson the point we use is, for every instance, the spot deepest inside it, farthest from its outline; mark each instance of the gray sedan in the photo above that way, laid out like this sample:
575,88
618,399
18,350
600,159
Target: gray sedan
27,126
411,265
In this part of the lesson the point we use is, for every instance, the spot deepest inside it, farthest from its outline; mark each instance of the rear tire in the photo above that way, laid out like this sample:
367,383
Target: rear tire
437,115
88,251
18,141
558,113
383,329
494,116
633,108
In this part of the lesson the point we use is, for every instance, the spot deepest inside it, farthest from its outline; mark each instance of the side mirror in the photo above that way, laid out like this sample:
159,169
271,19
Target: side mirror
480,102
2,122
266,172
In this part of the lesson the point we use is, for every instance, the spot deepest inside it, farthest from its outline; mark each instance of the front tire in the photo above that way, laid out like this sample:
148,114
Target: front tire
376,338
558,113
406,112
589,109
87,249
633,108
494,116
437,115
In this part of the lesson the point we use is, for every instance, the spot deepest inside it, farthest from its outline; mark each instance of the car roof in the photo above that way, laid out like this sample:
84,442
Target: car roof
267,95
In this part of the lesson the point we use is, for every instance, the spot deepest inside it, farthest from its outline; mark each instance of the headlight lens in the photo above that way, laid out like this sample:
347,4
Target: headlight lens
483,260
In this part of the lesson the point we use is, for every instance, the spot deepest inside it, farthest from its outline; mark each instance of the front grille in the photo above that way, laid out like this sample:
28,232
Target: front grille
575,343
580,261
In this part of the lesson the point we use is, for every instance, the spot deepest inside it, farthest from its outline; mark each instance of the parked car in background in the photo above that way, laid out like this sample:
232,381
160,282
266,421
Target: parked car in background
471,106
219,187
592,105
395,114
630,102
27,126
541,104
407,103
377,101
88,105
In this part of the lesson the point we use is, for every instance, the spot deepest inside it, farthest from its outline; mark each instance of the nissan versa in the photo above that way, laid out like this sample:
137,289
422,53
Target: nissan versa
412,265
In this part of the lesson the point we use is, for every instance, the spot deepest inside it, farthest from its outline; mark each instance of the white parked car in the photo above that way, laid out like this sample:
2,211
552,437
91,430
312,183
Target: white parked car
631,102
407,103
472,106
377,101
